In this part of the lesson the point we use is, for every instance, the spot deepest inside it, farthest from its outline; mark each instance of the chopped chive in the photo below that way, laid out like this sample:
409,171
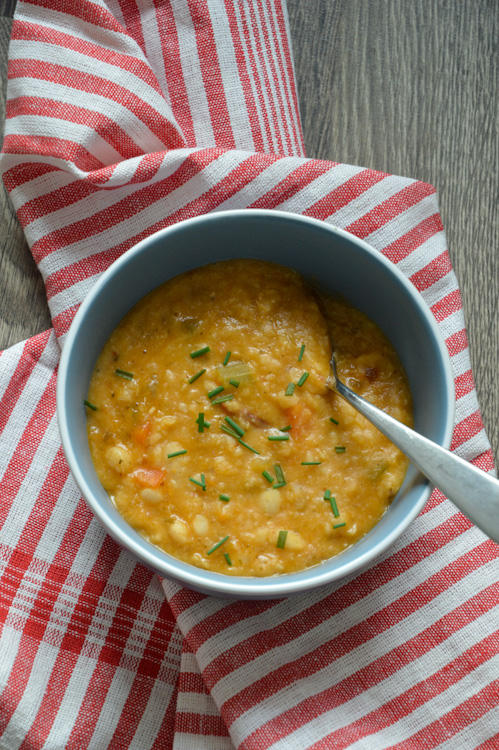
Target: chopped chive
235,426
229,431
227,558
227,357
217,545
281,539
311,463
327,495
301,352
224,498
339,525
285,429
278,485
302,379
201,483
248,447
220,400
124,374
196,376
268,476
215,391
333,420
235,383
290,389
340,448
178,453
199,352
334,507
201,422
90,406
276,438
279,474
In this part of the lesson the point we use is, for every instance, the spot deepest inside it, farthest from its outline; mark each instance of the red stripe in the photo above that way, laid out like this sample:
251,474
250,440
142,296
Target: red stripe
294,183
245,79
211,74
107,129
87,11
25,172
63,196
326,654
388,209
432,272
48,35
151,117
448,305
177,89
166,735
344,194
464,384
58,148
418,235
133,24
456,720
192,682
466,429
288,59
491,744
457,342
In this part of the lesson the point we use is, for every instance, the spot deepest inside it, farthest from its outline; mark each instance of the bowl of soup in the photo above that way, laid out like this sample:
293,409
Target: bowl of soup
195,415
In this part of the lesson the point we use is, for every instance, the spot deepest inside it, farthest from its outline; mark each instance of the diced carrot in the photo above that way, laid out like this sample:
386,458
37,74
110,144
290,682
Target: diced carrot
149,477
141,433
300,418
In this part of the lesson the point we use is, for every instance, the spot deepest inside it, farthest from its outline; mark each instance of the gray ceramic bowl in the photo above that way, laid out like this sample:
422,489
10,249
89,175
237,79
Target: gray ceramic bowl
343,265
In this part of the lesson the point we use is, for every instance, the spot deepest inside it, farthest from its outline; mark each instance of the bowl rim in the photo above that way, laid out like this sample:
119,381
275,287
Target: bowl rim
217,584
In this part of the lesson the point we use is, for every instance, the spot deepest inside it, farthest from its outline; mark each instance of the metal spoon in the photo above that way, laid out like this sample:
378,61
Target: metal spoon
474,492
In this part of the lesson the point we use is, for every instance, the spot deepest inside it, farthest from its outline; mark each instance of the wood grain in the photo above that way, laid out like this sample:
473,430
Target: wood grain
405,87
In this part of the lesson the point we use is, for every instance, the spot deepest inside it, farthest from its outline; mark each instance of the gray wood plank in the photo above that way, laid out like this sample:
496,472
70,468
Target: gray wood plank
411,88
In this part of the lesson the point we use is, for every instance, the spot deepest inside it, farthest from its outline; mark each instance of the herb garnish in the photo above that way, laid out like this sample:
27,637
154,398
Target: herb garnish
90,406
199,352
217,545
196,376
124,374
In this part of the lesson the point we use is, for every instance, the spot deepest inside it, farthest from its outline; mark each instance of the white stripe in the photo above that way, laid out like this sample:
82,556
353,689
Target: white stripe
325,183
484,728
33,694
137,130
49,53
460,363
440,288
187,741
466,406
405,222
231,80
373,698
451,324
342,622
40,186
474,446
193,75
9,650
27,402
87,137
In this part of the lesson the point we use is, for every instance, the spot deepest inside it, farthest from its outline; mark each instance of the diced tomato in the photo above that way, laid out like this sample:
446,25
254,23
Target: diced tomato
141,433
149,477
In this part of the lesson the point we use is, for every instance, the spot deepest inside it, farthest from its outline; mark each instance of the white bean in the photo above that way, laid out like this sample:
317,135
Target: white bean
270,502
152,496
179,531
119,459
200,525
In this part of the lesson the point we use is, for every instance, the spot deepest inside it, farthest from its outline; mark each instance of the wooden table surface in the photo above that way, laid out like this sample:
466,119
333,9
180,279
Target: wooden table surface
404,87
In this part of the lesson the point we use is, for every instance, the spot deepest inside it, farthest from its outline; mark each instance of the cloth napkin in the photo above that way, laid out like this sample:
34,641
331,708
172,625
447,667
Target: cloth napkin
123,117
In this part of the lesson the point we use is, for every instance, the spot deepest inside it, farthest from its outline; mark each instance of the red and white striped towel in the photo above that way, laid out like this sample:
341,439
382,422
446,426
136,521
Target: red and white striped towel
123,117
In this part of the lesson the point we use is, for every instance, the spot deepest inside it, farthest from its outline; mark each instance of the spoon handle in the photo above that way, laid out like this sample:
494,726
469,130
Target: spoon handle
474,492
